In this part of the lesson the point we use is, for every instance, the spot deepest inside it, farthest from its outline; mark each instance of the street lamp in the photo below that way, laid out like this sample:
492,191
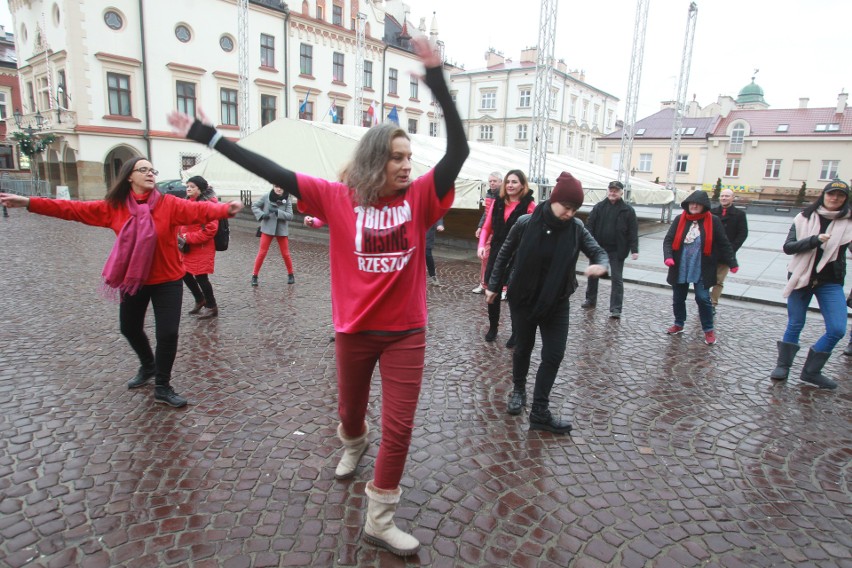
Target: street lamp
31,143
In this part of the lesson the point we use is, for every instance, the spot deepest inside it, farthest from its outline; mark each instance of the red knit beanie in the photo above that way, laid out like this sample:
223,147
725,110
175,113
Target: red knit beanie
568,189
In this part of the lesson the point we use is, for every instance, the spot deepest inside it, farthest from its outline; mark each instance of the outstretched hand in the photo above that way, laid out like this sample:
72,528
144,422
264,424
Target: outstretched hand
234,207
426,51
182,122
12,200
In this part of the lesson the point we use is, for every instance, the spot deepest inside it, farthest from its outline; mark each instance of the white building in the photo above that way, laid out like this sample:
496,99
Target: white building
104,74
496,103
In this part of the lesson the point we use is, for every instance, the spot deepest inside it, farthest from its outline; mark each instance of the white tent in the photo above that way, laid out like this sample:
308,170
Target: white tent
322,149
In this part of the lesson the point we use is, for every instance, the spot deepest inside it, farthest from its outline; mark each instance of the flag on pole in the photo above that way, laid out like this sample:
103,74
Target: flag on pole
371,112
303,108
332,111
393,116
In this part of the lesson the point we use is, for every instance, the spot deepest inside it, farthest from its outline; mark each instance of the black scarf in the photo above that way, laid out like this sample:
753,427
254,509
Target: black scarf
276,199
542,229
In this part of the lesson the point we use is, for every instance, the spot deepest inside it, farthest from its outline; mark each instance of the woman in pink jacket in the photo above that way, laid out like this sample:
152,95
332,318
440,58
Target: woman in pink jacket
199,253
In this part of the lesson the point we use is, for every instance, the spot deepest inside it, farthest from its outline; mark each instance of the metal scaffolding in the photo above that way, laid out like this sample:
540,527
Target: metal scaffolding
360,56
243,67
680,101
543,94
632,103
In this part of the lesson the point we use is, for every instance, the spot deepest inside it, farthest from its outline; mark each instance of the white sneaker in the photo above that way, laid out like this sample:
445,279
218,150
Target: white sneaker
503,296
478,290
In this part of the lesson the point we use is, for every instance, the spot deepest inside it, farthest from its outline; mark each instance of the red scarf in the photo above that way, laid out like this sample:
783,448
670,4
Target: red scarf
129,262
708,230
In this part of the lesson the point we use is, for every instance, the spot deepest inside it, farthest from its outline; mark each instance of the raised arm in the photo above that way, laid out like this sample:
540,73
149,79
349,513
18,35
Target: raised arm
448,168
194,129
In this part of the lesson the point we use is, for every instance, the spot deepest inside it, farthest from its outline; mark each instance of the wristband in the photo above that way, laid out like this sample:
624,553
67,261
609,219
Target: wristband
216,137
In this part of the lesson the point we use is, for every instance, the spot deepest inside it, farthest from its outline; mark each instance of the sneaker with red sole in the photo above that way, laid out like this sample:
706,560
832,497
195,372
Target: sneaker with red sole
675,329
710,337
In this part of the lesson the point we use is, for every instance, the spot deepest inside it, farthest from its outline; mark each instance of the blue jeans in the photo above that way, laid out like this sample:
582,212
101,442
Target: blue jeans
702,298
832,305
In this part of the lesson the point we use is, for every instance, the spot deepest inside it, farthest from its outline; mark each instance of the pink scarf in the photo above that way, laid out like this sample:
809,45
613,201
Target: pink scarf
801,266
129,262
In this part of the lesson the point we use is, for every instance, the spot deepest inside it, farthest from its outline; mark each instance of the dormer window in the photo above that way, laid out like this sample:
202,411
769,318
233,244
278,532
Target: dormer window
687,131
834,127
640,132
782,128
821,128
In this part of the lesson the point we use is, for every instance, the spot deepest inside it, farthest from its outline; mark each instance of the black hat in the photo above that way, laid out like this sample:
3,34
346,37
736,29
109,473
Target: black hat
199,181
616,185
837,185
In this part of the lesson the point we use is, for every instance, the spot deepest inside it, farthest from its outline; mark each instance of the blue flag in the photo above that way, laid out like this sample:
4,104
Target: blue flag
393,116
304,106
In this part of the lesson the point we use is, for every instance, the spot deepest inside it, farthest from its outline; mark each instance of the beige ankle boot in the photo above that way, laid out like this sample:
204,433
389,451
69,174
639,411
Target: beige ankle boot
380,528
353,449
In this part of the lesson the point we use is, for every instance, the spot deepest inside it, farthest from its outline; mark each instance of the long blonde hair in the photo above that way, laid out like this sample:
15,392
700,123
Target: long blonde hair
365,174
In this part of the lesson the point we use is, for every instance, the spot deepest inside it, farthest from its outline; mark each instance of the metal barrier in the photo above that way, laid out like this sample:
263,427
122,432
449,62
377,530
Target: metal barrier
27,187
245,197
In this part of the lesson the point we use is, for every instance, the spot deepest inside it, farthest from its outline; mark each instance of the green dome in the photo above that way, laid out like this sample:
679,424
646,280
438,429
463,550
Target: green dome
751,93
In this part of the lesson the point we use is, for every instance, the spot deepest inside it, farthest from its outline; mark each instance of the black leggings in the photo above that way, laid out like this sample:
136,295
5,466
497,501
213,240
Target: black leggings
199,285
430,262
166,299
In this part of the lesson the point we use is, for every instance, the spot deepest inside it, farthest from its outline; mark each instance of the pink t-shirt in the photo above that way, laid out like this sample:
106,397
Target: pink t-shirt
377,254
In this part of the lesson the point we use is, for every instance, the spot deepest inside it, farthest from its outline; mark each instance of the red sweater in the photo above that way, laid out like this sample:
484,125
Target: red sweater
168,215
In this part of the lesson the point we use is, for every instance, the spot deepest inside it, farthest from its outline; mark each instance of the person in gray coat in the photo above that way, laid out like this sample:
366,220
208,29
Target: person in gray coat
273,210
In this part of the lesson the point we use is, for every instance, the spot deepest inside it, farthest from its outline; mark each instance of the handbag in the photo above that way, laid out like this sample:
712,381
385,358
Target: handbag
257,234
182,245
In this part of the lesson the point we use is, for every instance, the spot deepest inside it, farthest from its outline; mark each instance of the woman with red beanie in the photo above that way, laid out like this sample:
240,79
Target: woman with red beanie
695,243
144,266
199,252
545,246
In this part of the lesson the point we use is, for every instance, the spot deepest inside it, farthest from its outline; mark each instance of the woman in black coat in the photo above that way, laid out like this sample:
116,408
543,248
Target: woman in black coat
695,244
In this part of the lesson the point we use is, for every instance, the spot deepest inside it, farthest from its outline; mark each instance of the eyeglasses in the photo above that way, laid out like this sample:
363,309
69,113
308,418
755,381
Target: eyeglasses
143,170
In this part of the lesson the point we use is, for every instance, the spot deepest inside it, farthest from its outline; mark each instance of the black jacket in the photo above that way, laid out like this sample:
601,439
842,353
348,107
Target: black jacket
736,225
833,272
722,251
586,244
626,226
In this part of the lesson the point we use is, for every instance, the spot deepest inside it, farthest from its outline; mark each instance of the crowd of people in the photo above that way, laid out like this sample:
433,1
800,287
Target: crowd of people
382,226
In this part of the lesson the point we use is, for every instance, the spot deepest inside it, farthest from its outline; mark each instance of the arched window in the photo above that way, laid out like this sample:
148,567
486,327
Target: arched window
737,135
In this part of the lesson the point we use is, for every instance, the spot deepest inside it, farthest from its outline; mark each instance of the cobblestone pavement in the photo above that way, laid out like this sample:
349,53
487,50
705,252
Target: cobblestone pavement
682,454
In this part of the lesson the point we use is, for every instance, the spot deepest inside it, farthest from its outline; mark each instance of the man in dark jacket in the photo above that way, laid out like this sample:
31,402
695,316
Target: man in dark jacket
736,228
613,224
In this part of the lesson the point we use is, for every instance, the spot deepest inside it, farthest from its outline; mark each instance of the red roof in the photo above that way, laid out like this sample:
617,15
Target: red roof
799,121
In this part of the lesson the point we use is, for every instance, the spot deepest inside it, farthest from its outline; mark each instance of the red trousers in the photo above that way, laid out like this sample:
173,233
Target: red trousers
400,359
265,241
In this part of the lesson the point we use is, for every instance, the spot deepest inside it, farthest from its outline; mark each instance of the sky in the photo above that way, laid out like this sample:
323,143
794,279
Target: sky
801,47
795,45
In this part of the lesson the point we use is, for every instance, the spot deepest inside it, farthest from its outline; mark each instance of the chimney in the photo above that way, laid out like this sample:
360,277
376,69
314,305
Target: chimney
803,102
529,55
841,103
493,58
561,66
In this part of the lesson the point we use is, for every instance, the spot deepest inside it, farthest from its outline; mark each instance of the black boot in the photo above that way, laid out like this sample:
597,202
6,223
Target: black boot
145,374
512,341
542,419
812,371
786,354
165,394
517,400
198,305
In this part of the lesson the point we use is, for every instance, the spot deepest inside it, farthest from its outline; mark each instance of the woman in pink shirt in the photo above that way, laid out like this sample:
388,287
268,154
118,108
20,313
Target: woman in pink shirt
515,199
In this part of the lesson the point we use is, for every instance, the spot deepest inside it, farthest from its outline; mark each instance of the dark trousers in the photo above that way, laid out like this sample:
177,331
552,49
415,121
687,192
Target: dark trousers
616,275
430,262
199,285
166,299
554,336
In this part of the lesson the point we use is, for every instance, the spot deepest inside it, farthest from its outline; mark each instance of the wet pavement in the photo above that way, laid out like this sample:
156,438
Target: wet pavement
682,454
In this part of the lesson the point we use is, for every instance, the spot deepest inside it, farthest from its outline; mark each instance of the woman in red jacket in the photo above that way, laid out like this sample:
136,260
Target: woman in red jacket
199,253
144,265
